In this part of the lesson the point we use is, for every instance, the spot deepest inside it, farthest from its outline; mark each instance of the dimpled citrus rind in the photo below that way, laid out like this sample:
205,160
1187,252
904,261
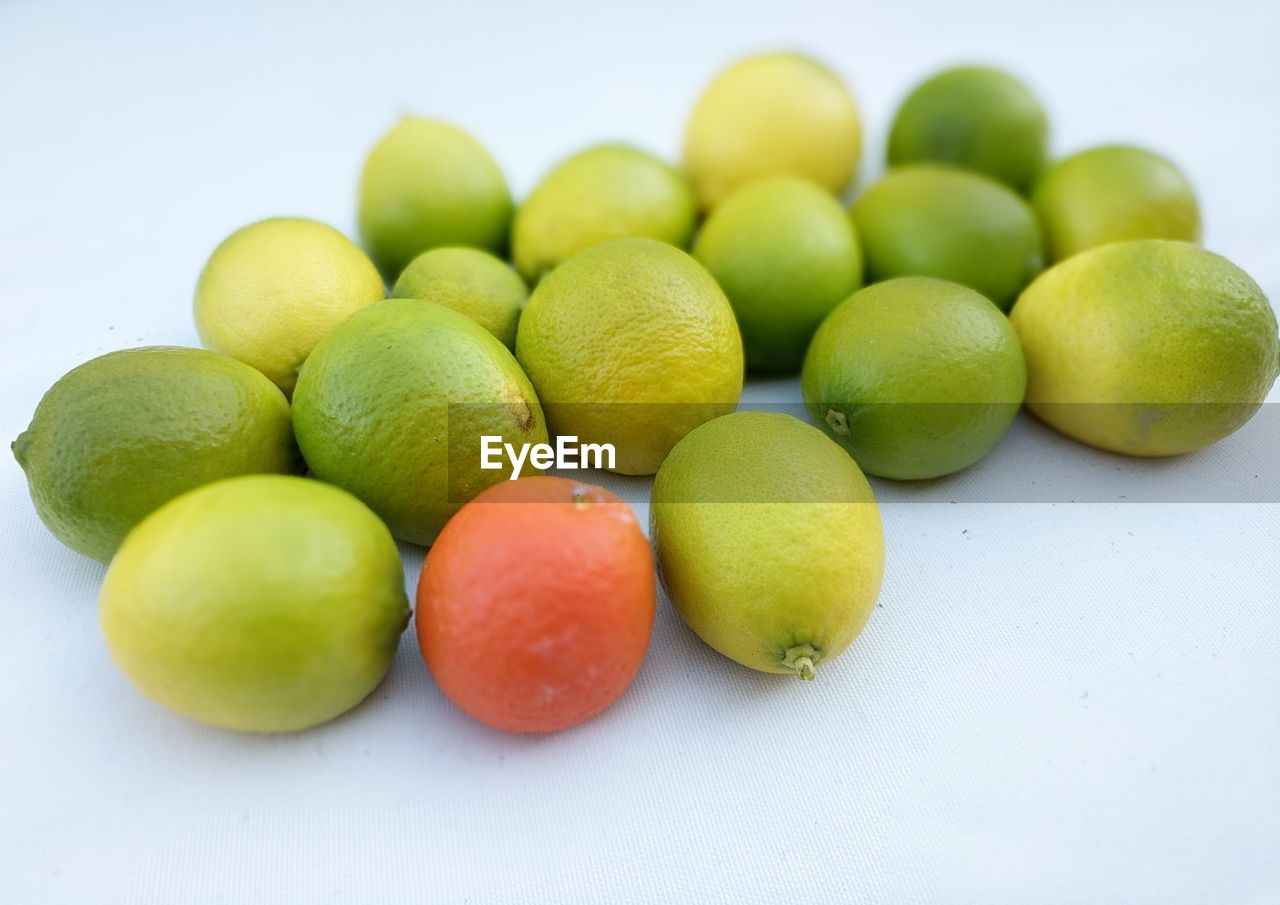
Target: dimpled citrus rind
631,343
124,433
471,282
392,406
917,378
260,604
769,541
1147,348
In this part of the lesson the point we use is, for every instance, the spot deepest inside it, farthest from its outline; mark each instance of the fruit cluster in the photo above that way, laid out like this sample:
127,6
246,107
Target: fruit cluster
246,596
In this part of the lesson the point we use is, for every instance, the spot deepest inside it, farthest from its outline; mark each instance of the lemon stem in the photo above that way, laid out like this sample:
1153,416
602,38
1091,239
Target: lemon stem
803,660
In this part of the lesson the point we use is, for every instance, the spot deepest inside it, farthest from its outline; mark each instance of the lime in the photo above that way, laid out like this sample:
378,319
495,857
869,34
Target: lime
631,343
469,281
392,406
915,377
1148,348
1111,194
428,184
769,541
605,192
272,289
785,253
768,115
123,434
974,117
264,604
940,222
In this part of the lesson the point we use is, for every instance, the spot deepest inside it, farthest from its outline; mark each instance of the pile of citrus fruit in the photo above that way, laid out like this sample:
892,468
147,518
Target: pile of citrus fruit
620,304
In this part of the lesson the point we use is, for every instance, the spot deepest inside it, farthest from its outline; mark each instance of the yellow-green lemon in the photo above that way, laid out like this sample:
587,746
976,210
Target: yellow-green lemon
932,221
428,184
1148,348
785,253
263,604
392,406
915,377
469,281
769,541
123,434
975,117
605,192
271,290
631,343
1112,194
768,115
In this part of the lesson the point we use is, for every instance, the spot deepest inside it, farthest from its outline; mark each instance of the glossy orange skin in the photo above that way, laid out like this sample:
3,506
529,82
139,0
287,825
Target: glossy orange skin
535,604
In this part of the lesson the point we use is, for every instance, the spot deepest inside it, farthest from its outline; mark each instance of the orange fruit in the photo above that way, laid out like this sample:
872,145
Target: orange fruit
535,604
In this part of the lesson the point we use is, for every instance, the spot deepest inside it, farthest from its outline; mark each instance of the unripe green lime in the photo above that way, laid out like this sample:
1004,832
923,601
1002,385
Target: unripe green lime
471,282
608,191
122,434
915,377
1113,194
974,117
428,184
393,403
933,221
785,253
263,604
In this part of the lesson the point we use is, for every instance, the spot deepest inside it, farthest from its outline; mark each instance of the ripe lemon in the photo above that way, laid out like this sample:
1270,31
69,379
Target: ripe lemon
915,377
263,604
392,404
974,117
1112,194
933,221
471,282
769,541
605,192
271,290
631,343
769,115
122,434
1148,348
785,253
428,184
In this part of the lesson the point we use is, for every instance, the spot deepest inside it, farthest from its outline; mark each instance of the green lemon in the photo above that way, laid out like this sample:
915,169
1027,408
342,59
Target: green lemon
428,184
974,117
769,541
1148,348
123,434
469,281
769,115
940,222
631,343
785,253
605,192
392,406
273,288
1112,194
915,377
263,604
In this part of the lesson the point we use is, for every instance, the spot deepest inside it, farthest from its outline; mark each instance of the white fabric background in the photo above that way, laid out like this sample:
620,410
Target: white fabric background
1056,703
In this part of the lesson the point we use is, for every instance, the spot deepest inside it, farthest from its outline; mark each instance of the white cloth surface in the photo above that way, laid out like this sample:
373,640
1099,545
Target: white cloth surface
1055,702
